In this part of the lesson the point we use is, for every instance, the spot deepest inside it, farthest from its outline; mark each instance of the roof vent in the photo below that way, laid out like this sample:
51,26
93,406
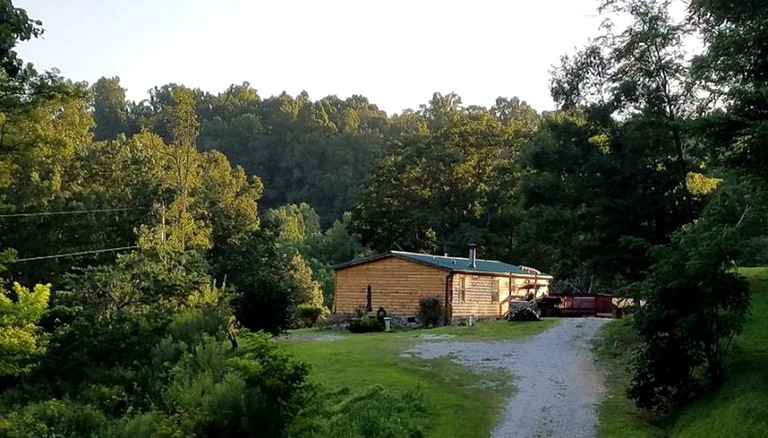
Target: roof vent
472,255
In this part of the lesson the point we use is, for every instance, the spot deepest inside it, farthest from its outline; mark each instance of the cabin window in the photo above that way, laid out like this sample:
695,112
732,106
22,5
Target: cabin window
463,289
495,290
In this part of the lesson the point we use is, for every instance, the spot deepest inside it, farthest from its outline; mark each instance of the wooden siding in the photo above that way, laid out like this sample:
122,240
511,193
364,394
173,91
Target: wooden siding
396,284
478,296
478,299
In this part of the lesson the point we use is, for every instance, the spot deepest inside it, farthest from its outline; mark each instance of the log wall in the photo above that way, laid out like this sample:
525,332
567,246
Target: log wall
396,284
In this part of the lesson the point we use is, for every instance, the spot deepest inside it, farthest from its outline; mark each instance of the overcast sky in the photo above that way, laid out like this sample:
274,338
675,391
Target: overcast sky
396,53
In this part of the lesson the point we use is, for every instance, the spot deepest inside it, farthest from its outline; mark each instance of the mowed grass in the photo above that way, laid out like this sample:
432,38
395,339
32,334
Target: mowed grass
462,402
617,414
739,408
497,330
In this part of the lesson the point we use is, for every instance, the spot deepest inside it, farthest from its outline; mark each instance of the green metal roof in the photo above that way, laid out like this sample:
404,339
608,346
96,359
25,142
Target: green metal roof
455,264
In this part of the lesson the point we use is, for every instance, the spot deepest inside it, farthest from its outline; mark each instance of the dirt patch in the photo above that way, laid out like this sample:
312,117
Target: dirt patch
558,385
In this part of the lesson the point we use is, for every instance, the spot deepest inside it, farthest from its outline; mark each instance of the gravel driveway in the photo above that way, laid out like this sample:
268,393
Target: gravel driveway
558,385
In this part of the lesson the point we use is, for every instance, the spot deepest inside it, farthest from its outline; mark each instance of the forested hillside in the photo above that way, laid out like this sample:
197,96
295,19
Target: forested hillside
139,239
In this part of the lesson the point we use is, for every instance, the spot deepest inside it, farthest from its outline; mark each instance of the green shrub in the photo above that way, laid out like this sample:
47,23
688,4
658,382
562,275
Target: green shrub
257,394
430,312
307,315
365,324
52,418
142,425
190,324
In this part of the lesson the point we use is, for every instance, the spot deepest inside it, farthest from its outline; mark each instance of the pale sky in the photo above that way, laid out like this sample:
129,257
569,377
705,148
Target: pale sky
396,53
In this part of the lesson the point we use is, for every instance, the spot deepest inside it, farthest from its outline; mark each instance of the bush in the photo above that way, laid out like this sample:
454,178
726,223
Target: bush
191,324
146,424
209,394
52,418
430,312
307,315
366,324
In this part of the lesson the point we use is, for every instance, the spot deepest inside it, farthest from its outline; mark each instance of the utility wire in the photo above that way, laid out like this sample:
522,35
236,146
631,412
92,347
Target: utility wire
71,254
56,213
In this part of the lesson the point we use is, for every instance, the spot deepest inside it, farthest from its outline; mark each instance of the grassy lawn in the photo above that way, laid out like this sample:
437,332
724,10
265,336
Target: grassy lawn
617,415
739,408
496,330
462,402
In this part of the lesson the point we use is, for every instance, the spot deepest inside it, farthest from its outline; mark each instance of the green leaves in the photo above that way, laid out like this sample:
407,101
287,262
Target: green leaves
20,312
432,188
696,302
17,26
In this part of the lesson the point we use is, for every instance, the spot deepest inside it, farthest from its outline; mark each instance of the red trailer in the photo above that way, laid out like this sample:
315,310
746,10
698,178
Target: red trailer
588,304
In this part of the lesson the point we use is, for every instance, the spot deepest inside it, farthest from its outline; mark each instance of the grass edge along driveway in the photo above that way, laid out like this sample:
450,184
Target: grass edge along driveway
462,402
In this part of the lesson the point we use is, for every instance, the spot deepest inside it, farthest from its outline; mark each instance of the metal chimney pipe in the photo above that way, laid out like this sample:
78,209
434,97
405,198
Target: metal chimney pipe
472,255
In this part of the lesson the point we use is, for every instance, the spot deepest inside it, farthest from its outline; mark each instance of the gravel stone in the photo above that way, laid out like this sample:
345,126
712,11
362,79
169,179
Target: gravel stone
558,385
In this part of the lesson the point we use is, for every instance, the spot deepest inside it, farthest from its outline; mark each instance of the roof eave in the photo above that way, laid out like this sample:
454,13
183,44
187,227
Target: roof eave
514,274
459,270
361,261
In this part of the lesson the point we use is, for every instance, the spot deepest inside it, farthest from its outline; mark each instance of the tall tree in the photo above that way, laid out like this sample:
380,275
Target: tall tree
183,161
110,109
625,183
734,70
640,69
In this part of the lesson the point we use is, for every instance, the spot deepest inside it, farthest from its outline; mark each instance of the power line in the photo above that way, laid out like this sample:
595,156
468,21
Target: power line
56,213
71,254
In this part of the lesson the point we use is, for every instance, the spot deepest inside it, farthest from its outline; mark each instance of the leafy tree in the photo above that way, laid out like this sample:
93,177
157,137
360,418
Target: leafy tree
314,152
17,27
22,89
696,303
296,225
299,234
134,342
640,70
46,137
734,72
612,176
109,315
594,197
20,312
437,190
110,110
271,275
227,200
266,299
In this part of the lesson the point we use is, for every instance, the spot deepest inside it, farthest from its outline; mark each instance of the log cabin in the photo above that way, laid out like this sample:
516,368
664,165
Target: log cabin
465,286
